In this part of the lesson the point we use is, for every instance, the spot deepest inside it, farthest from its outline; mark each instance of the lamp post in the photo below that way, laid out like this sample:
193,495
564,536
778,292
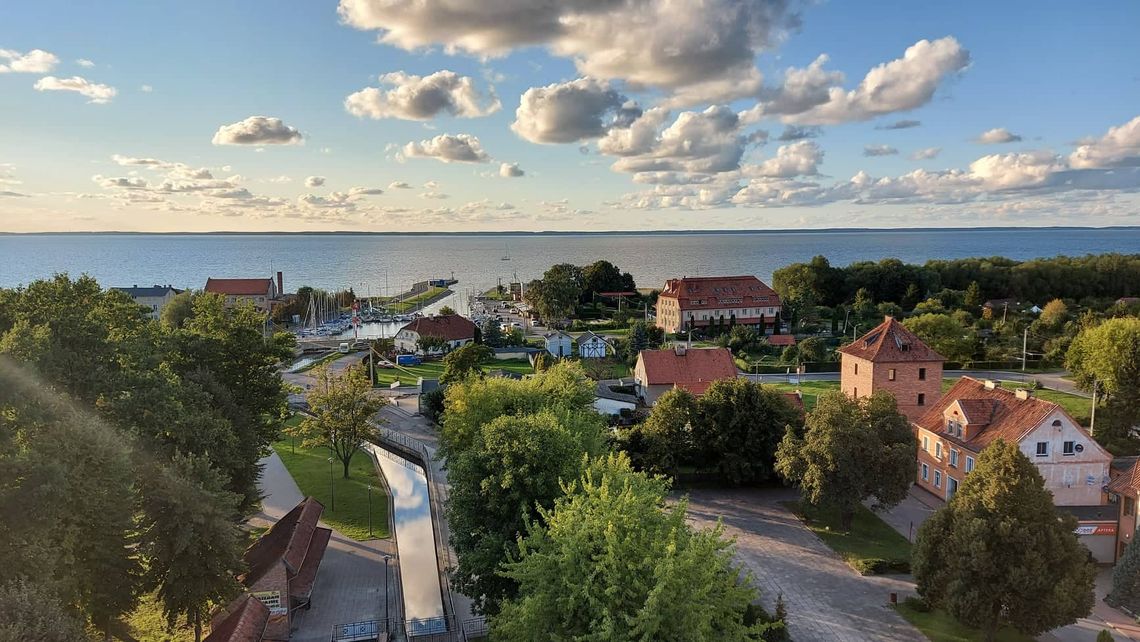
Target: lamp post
387,627
332,488
370,510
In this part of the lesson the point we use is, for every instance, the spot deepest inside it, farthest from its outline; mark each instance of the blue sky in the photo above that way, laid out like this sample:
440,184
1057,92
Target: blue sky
1056,82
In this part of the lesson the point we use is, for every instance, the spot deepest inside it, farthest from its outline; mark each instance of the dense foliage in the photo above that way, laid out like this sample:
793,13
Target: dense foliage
609,561
999,553
114,429
1107,356
342,407
563,287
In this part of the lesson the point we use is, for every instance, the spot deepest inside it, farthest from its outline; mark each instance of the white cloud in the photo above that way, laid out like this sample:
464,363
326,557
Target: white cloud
124,182
879,150
431,184
434,195
801,90
1006,171
365,191
258,130
399,185
900,124
510,170
448,148
1119,147
997,136
412,97
899,85
571,111
314,181
146,89
798,159
926,154
795,132
281,179
36,61
85,63
98,94
698,49
709,141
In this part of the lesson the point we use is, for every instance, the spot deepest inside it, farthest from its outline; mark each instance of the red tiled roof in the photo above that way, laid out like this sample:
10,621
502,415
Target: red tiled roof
705,292
245,622
891,342
452,327
1127,483
1009,418
781,340
286,542
240,286
686,370
301,586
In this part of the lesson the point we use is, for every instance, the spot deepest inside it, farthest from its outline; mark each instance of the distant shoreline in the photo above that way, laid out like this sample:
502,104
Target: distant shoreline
521,233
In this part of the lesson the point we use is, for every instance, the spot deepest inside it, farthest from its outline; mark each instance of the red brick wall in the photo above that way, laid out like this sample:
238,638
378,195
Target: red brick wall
862,378
275,580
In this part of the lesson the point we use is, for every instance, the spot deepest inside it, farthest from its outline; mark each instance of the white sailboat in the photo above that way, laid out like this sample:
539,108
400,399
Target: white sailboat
506,252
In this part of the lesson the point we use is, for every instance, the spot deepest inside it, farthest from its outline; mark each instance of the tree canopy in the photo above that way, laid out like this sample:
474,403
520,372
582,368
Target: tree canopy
999,553
343,409
1109,355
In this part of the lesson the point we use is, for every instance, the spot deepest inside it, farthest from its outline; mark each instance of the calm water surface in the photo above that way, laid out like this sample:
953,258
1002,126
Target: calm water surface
367,262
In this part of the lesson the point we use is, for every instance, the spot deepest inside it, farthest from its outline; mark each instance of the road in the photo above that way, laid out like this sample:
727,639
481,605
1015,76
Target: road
1052,380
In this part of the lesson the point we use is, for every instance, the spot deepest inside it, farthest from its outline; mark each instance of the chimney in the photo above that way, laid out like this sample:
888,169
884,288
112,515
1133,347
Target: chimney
280,284
679,349
1023,393
990,385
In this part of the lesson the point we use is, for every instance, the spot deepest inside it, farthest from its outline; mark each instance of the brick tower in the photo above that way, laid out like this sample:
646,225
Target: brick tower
890,357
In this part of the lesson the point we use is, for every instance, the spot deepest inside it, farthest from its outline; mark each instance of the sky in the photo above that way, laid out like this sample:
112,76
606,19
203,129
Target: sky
496,115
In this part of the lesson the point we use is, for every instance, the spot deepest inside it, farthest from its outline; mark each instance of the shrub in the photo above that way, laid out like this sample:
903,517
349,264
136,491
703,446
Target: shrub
1104,636
880,566
755,614
917,604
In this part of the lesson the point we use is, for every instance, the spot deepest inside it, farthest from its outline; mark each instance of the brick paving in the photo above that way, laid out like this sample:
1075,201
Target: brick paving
826,600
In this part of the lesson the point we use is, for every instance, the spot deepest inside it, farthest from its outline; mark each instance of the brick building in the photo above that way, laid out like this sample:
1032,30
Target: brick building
283,566
694,369
1124,491
264,294
890,357
245,621
700,302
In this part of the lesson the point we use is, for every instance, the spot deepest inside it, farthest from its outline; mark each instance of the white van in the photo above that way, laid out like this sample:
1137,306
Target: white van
344,347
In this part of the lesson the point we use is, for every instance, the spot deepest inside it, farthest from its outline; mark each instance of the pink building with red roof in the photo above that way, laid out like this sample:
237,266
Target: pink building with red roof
703,301
264,294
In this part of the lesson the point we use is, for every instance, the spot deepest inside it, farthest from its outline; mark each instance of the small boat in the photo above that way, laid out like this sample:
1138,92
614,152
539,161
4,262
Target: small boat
506,253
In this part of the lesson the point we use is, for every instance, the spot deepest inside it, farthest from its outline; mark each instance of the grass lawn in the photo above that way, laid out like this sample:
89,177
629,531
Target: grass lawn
310,469
409,375
939,626
810,389
870,538
494,295
413,301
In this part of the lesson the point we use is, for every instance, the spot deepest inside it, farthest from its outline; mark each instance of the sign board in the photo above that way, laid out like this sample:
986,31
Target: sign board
272,600
1096,529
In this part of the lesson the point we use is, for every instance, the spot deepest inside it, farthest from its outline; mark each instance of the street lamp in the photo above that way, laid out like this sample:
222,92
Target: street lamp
370,510
332,488
387,591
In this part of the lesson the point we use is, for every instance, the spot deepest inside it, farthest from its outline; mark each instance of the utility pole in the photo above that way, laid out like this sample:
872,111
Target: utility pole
1005,312
1092,414
1025,343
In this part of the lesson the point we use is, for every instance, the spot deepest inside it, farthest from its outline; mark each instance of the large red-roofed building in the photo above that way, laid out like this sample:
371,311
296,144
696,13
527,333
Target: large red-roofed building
703,301
264,294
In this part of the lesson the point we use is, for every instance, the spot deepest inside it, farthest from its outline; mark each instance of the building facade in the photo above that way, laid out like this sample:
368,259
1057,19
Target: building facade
701,302
558,343
593,346
890,357
154,298
264,294
693,369
455,330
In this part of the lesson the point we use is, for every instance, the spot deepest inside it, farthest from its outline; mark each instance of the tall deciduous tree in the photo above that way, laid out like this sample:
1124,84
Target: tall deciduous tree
193,546
941,332
32,613
464,362
557,293
739,424
851,450
1109,355
1126,581
667,435
999,553
610,562
342,407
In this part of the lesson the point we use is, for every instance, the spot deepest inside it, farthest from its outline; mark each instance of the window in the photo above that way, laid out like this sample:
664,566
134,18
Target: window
1129,505
926,443
854,392
1042,449
925,472
1069,448
938,450
969,463
856,368
891,374
922,399
953,458
951,486
922,374
938,479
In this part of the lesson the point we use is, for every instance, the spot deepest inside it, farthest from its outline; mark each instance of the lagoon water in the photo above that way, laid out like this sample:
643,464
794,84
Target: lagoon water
368,262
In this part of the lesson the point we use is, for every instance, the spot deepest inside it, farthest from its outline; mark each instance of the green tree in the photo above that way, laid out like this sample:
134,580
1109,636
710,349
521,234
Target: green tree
1125,591
178,309
514,466
464,362
514,337
974,298
812,350
193,545
667,434
428,344
999,553
32,613
1108,356
1054,314
492,333
446,310
342,407
603,276
911,297
556,295
851,450
944,334
611,562
738,426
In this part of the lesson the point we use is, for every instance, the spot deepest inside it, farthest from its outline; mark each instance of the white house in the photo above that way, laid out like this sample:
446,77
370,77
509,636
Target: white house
456,330
153,298
658,371
558,343
592,346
